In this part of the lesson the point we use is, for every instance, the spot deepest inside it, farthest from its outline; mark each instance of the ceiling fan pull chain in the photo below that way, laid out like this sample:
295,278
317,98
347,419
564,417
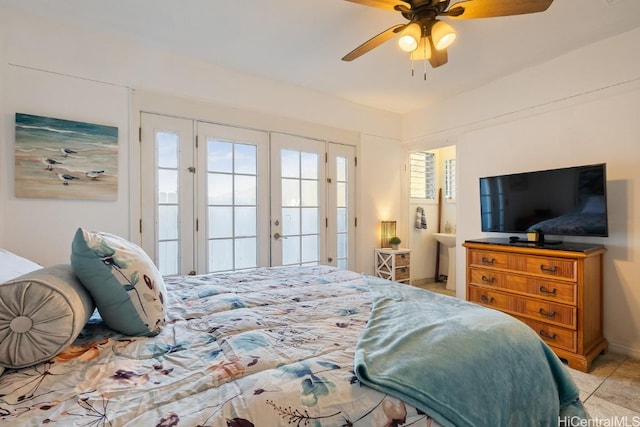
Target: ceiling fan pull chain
425,69
425,59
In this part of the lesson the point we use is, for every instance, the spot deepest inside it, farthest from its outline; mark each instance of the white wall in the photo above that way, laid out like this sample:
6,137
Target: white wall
42,229
581,108
383,183
65,72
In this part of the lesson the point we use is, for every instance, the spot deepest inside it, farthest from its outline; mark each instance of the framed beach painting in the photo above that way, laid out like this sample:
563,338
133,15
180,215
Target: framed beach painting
65,159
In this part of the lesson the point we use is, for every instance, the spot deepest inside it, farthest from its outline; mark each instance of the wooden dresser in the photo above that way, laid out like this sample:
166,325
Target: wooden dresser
555,289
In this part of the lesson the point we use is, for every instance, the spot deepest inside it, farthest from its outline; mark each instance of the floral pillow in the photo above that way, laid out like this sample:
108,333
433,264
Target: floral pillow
126,286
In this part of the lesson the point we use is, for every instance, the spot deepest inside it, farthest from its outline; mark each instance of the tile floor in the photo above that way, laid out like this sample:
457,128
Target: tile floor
610,390
439,287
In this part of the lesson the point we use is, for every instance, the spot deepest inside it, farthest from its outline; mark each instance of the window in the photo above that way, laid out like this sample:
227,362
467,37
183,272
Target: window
422,177
450,179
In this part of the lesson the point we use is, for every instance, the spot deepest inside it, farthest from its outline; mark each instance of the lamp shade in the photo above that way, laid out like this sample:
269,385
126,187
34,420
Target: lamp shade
387,231
409,37
423,51
443,35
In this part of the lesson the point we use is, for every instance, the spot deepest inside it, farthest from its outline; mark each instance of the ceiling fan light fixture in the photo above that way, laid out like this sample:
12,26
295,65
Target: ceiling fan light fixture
423,51
410,37
427,38
443,35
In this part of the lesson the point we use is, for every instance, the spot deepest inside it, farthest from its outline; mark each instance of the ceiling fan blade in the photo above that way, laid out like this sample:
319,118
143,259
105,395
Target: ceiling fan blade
471,9
438,57
373,42
381,4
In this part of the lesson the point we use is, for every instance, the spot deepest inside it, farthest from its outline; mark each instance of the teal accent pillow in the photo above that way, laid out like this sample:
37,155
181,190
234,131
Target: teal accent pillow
126,286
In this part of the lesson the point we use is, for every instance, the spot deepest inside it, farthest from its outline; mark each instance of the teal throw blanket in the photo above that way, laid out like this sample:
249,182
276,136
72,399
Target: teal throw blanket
460,363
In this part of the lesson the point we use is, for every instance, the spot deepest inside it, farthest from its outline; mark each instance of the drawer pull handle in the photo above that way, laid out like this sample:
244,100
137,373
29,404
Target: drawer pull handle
543,334
487,279
551,269
488,261
547,314
546,291
486,300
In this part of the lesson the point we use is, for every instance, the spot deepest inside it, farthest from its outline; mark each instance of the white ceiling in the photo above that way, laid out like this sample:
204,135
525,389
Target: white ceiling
301,41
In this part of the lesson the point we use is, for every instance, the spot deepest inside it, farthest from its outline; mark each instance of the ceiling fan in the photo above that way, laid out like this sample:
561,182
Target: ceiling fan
427,37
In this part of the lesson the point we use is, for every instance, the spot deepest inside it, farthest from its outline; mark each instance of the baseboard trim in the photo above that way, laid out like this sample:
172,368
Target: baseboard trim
624,349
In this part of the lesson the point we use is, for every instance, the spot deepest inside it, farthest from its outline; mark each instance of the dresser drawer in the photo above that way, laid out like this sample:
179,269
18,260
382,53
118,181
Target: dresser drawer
555,267
493,299
403,259
557,314
553,335
562,292
548,312
488,259
480,276
547,266
402,273
553,291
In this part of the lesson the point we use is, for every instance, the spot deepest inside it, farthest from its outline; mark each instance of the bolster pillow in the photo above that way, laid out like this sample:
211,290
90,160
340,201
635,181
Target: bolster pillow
41,313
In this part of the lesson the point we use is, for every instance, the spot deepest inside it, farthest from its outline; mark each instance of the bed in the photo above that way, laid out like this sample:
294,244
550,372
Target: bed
590,219
302,346
576,223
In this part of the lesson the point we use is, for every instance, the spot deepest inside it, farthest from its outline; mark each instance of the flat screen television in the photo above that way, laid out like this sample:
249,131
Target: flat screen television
569,201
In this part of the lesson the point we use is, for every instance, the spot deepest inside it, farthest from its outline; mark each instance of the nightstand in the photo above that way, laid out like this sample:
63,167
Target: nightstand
393,264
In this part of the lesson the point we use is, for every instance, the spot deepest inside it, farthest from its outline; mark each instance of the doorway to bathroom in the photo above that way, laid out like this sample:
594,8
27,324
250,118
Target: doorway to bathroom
432,209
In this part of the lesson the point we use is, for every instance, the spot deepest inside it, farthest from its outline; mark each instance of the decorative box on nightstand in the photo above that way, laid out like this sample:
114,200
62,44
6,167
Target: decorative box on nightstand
393,264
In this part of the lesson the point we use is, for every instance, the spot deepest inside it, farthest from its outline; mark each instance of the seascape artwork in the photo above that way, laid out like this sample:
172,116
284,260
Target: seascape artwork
65,159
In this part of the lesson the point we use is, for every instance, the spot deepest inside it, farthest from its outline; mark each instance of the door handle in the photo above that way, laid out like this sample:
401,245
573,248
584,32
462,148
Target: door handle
278,236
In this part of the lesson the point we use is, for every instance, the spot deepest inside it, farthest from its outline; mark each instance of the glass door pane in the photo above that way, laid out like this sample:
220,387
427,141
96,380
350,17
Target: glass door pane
300,206
232,206
234,233
297,201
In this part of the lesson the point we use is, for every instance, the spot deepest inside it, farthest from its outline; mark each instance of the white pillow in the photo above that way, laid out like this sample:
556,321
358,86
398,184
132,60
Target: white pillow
594,205
12,266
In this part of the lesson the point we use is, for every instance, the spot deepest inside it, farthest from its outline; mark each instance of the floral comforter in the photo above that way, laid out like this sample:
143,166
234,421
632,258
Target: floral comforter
267,347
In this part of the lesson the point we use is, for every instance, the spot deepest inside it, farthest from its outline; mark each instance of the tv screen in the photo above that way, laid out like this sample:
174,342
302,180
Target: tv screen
565,202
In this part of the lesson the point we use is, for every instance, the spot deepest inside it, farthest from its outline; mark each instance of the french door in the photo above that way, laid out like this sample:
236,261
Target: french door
297,200
341,201
231,198
167,197
224,198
